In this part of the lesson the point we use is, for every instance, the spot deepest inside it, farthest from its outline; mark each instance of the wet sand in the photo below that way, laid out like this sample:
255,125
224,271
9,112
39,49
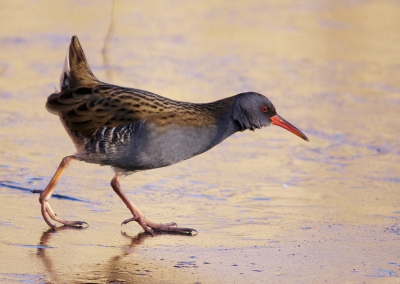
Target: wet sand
268,206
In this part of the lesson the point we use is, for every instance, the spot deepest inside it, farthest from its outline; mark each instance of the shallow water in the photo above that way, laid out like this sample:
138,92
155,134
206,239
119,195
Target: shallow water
269,207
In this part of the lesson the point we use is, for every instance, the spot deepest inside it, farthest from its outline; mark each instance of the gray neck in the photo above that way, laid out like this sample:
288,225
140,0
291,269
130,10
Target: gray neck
223,129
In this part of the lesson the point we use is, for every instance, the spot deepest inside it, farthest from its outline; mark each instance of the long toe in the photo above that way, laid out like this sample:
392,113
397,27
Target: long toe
177,230
148,226
45,207
128,220
78,224
171,228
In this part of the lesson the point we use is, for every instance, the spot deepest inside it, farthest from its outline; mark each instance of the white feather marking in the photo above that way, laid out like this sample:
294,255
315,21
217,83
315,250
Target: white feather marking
102,132
110,133
65,74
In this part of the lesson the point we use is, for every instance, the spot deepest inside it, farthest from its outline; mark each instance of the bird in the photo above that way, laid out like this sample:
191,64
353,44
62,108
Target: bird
134,130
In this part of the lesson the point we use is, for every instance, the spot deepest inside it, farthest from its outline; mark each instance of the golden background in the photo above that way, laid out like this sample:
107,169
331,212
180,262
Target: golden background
269,207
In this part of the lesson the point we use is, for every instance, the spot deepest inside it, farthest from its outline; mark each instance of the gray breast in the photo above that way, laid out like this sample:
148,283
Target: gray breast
146,145
155,147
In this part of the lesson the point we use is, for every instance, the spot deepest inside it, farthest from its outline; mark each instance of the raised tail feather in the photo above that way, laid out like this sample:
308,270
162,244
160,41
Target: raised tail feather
76,71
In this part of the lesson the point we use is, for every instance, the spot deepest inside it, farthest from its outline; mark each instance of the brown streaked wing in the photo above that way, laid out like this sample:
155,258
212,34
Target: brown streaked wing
87,109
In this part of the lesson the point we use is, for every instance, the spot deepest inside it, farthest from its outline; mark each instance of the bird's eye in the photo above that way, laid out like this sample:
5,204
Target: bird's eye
264,108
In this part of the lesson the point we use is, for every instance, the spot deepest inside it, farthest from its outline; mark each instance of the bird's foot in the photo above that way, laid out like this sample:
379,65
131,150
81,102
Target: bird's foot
149,226
49,214
47,209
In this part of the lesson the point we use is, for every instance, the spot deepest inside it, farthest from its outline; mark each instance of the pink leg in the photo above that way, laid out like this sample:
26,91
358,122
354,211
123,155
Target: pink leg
46,194
138,216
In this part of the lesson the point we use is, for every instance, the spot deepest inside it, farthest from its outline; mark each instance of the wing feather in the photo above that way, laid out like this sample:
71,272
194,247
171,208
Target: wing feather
87,109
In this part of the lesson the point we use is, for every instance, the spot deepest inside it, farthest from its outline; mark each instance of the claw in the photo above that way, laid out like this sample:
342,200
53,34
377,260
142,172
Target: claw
128,220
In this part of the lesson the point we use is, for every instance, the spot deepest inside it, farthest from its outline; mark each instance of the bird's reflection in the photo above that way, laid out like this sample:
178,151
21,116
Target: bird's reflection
115,270
45,244
141,237
136,240
134,269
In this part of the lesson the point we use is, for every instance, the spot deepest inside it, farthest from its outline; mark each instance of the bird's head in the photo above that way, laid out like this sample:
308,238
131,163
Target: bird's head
252,111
